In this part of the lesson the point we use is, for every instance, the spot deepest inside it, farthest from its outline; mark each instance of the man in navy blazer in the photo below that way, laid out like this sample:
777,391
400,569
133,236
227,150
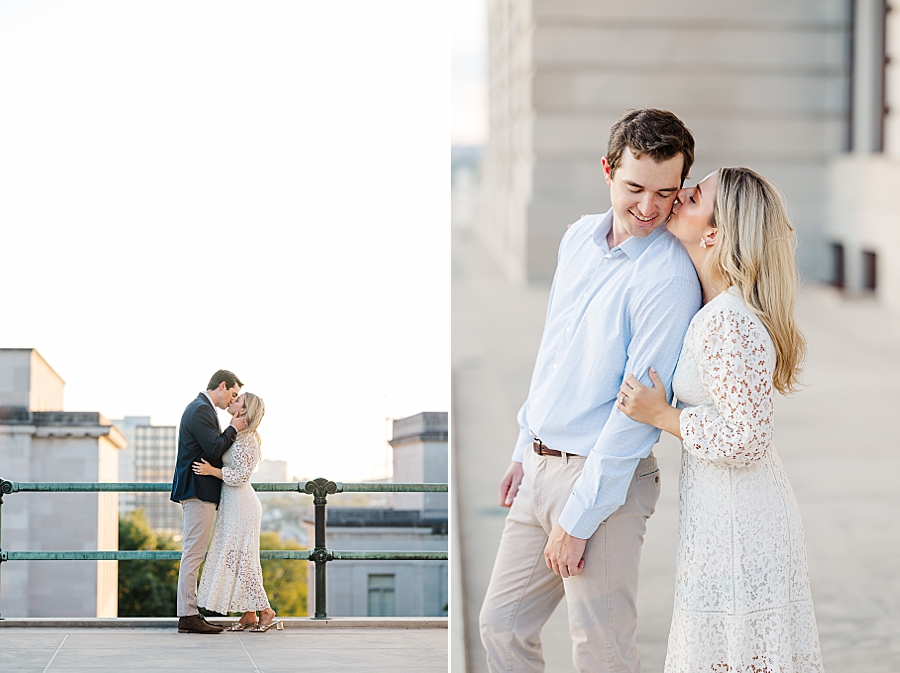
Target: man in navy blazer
199,437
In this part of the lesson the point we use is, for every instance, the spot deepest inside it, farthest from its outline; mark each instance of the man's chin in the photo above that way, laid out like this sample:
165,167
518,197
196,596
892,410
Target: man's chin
643,232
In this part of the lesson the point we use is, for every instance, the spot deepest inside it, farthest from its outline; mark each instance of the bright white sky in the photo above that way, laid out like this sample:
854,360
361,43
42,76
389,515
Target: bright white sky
258,186
469,72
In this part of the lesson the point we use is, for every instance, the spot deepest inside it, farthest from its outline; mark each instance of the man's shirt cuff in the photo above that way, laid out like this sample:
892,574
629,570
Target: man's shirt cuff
580,522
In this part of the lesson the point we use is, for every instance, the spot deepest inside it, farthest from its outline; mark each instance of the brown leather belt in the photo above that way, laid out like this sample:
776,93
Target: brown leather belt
541,449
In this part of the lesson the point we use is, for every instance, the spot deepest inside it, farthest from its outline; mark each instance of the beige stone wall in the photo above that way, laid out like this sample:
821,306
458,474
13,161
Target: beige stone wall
107,528
761,83
46,390
409,467
59,521
27,381
63,521
862,215
509,163
15,366
420,586
15,459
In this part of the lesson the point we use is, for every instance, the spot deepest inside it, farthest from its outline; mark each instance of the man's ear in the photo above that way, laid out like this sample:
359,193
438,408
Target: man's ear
607,172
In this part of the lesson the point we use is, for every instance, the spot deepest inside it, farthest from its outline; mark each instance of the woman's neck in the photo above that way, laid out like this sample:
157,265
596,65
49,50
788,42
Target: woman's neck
711,282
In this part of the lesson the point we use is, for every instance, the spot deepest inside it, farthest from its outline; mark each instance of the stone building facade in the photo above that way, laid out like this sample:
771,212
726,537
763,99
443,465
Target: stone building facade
863,222
416,522
39,444
761,83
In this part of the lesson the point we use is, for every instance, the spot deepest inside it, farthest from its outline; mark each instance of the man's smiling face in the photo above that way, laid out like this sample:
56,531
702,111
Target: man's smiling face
642,192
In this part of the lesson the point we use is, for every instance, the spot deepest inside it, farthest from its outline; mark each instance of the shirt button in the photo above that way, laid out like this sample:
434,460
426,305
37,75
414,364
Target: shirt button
554,365
568,329
606,260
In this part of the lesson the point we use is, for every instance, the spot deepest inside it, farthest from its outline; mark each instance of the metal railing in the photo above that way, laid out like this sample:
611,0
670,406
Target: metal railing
320,489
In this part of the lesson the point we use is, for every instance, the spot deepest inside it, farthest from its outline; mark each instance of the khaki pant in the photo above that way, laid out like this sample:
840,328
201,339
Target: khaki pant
523,591
198,527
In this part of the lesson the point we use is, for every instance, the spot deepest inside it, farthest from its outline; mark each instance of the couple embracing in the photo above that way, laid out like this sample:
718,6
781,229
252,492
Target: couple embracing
212,471
684,291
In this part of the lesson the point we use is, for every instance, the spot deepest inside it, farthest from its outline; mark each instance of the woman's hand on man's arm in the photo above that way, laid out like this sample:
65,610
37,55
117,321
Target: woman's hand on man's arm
649,405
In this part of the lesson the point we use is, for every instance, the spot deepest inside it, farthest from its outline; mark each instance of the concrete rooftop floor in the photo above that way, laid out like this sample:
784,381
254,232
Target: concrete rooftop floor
46,649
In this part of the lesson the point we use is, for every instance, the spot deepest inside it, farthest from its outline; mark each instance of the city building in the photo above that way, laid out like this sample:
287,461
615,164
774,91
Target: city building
149,458
761,84
862,219
270,471
385,588
419,444
416,522
39,442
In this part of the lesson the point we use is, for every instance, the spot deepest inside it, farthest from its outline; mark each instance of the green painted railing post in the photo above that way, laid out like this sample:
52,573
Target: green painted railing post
6,488
320,489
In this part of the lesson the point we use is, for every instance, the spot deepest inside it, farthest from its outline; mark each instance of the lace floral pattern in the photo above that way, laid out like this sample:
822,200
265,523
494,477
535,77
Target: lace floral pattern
742,599
232,577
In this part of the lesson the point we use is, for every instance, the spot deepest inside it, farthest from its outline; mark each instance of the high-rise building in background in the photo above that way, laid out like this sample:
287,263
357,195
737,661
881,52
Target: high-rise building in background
39,442
149,457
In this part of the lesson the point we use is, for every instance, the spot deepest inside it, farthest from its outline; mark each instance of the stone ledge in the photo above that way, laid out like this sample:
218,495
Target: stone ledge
172,622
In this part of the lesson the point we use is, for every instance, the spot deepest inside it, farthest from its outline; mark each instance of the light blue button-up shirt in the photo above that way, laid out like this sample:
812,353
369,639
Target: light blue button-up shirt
611,312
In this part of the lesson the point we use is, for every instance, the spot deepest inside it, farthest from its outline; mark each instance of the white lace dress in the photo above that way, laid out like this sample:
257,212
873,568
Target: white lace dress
232,577
742,598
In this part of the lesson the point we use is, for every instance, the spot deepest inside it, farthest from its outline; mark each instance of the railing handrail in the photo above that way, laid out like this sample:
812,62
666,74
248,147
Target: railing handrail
320,489
161,487
175,555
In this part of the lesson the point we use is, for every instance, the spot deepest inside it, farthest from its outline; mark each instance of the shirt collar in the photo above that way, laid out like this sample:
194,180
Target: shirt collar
632,247
210,400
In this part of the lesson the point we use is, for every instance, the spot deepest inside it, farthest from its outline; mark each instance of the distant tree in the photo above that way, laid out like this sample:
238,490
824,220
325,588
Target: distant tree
146,588
284,579
149,588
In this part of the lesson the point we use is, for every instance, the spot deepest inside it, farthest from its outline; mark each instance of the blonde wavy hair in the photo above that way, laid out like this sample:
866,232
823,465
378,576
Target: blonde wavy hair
754,252
256,409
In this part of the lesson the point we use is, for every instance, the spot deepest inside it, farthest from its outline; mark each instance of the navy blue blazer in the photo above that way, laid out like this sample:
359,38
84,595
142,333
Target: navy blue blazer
199,437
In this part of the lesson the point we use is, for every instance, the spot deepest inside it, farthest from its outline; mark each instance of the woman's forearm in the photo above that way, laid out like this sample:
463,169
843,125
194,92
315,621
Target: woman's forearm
669,420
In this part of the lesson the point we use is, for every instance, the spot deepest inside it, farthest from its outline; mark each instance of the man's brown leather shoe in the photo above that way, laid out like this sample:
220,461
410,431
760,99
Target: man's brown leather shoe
196,624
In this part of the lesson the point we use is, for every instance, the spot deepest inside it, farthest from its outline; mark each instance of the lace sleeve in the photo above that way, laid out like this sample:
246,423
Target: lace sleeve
736,374
243,460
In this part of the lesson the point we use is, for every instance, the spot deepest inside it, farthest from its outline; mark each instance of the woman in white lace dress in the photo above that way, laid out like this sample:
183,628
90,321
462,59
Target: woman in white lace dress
232,578
742,597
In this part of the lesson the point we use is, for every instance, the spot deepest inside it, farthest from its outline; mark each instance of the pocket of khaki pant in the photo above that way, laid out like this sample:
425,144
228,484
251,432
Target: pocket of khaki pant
648,487
651,475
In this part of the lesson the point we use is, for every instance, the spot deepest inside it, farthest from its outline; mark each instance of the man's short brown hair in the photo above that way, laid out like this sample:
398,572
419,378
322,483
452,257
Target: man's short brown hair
657,133
224,375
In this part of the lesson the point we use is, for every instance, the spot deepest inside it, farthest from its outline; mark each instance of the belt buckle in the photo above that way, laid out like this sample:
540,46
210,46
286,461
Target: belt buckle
540,444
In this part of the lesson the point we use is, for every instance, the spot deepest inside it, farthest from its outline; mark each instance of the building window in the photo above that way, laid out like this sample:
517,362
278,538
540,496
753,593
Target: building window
869,271
381,596
837,273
